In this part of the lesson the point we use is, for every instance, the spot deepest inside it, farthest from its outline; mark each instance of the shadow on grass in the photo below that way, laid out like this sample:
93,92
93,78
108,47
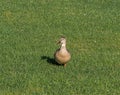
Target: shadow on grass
50,60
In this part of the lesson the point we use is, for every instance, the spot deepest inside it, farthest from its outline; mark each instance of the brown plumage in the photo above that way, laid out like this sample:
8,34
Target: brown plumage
62,56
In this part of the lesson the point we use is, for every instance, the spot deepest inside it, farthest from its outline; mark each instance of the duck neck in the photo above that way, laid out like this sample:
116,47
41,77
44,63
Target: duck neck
63,46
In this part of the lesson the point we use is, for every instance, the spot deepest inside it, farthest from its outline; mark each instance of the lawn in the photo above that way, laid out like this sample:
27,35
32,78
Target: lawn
29,30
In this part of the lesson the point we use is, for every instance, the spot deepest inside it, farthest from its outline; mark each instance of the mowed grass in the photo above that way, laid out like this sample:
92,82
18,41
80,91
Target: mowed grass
29,30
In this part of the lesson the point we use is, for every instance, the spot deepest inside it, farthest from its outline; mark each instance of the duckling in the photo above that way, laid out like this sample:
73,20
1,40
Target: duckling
62,56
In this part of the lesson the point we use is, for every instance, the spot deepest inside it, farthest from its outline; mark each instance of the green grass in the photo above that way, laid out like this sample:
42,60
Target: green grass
29,30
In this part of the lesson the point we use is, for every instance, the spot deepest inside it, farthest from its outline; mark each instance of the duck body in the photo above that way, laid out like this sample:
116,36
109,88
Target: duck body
62,56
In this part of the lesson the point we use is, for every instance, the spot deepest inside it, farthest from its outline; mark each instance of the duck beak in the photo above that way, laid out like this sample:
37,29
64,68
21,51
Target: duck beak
58,42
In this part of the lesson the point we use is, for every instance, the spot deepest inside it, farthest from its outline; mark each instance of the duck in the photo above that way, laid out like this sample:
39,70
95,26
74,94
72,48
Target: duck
62,55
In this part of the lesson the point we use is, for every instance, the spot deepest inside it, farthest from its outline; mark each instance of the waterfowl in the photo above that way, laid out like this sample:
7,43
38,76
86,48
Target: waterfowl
62,56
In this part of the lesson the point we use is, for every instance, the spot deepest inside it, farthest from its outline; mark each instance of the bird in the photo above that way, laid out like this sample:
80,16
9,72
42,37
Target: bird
62,55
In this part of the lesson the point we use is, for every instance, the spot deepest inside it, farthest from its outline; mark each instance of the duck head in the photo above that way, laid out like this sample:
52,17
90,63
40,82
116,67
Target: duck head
62,41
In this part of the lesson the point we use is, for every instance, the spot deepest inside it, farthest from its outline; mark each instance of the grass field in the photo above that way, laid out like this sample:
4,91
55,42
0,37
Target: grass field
29,30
